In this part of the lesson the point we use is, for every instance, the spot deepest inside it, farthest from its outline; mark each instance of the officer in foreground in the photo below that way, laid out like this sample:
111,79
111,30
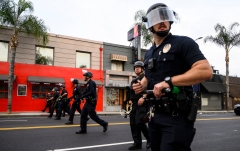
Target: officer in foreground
172,61
90,106
138,113
77,94
61,103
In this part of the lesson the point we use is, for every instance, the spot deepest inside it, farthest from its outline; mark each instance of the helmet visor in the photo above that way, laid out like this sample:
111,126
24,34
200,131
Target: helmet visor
159,15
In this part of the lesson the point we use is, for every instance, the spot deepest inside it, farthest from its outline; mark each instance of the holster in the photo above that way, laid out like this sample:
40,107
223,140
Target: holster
194,107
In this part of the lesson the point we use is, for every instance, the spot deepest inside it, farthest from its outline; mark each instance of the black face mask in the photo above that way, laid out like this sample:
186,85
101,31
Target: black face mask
162,33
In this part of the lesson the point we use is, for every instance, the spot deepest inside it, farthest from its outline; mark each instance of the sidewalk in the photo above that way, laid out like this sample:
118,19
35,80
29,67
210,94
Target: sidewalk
36,113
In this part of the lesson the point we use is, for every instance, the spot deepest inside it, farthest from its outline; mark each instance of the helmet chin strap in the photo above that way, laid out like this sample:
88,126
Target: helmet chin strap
138,74
161,33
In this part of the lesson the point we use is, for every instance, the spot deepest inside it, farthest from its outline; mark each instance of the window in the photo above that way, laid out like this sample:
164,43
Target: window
4,51
3,90
83,60
44,56
40,91
117,65
112,96
22,90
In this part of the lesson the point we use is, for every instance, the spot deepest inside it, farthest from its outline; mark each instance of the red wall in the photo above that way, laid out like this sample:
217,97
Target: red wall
22,71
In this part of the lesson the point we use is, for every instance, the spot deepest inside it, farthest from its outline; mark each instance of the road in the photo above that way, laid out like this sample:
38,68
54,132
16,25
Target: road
215,132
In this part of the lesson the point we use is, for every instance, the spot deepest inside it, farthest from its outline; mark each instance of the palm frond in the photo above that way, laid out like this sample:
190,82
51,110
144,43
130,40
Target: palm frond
23,6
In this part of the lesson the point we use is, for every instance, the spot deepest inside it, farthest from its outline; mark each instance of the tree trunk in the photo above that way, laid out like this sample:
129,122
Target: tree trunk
227,78
13,46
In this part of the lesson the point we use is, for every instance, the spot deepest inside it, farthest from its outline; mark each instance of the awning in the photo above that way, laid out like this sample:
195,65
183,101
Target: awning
98,82
4,77
45,79
214,87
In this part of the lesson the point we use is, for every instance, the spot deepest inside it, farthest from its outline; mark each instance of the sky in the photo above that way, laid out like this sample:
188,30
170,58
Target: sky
110,20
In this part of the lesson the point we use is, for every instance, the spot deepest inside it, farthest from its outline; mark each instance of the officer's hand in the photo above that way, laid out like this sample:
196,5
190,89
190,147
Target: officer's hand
137,87
140,102
157,90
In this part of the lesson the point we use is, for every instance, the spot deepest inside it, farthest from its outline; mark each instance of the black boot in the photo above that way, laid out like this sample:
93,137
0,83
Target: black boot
81,132
69,122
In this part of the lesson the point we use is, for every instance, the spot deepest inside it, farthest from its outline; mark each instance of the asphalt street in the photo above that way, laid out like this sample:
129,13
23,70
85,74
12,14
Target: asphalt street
215,132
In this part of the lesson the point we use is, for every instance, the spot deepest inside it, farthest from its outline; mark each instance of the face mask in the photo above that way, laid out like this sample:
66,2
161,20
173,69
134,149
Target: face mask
162,33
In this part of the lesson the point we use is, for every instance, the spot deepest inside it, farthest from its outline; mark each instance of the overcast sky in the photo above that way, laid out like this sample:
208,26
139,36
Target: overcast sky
109,21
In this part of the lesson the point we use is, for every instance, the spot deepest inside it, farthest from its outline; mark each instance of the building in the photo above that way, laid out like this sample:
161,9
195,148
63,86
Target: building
65,58
234,88
119,72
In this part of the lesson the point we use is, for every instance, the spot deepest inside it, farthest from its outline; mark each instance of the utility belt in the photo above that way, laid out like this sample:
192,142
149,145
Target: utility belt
181,104
168,105
75,96
91,101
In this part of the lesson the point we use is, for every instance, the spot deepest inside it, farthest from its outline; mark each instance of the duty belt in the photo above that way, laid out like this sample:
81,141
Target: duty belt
168,104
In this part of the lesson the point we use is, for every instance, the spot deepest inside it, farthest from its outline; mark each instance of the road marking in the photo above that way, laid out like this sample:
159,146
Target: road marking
13,120
212,119
56,126
95,146
118,123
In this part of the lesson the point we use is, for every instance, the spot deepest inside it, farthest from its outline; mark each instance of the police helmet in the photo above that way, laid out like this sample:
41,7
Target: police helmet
75,81
157,13
138,63
63,86
55,89
88,74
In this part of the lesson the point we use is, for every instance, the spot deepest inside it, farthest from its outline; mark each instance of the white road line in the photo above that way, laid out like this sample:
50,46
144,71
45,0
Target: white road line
13,120
95,146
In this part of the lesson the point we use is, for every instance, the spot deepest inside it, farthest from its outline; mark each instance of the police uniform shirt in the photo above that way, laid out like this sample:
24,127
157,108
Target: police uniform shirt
64,91
174,56
77,94
55,95
77,90
90,90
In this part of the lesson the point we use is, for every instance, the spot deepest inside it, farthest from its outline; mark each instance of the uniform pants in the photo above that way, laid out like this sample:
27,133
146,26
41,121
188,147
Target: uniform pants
52,109
137,125
65,107
89,109
75,106
169,133
59,109
48,105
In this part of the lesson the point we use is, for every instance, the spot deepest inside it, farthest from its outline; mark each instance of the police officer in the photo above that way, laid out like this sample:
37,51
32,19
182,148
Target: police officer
48,103
90,106
173,61
138,112
54,100
64,95
77,94
61,103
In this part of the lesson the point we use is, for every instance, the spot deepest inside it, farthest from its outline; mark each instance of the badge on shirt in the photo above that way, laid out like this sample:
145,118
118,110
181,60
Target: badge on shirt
87,85
166,48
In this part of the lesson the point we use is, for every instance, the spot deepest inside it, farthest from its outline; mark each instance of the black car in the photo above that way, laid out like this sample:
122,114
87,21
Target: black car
237,109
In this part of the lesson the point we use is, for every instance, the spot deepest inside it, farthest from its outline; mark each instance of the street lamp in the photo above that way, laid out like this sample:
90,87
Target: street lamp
198,38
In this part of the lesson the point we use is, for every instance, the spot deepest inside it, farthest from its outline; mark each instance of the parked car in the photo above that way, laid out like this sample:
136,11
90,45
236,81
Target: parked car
237,109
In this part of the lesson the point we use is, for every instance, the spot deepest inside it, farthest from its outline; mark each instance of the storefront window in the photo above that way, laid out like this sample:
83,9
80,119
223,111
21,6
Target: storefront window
4,51
40,91
117,65
83,60
44,56
112,96
3,90
22,90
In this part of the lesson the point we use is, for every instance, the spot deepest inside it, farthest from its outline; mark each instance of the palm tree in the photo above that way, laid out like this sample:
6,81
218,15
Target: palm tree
227,39
18,17
147,37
